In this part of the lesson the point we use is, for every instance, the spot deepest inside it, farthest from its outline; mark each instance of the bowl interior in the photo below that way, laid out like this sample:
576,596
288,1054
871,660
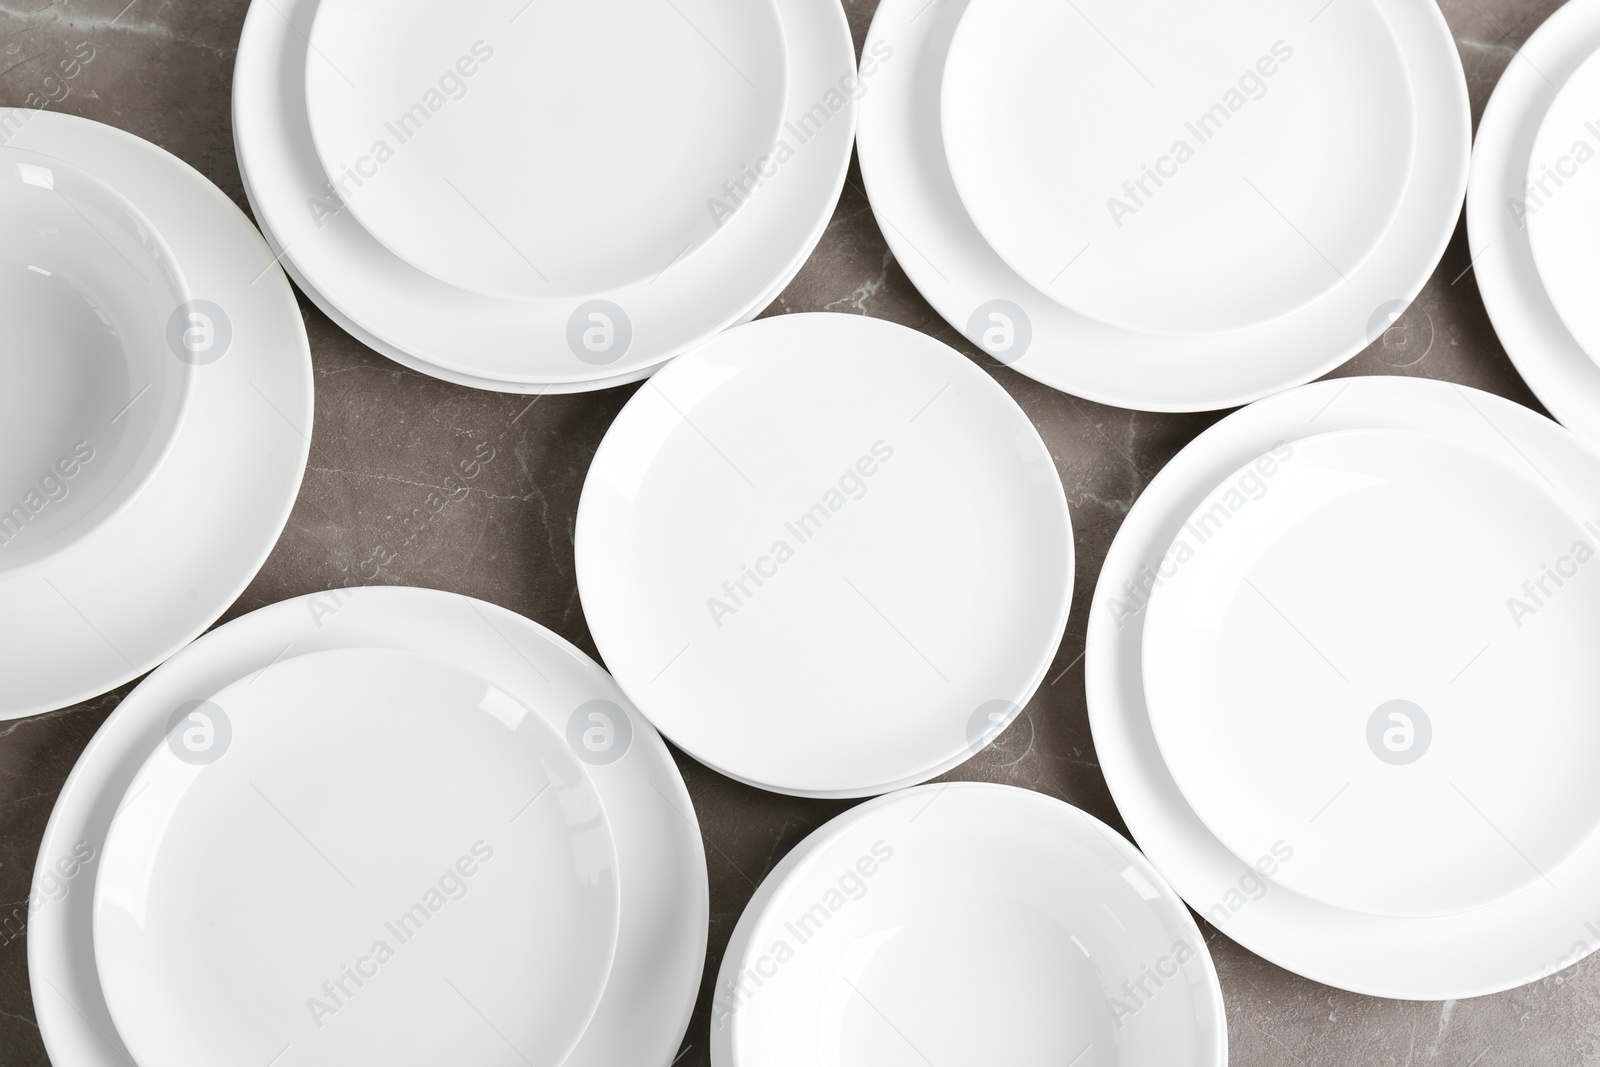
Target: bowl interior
93,391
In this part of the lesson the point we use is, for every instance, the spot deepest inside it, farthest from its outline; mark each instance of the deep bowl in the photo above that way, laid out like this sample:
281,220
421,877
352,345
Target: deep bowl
92,390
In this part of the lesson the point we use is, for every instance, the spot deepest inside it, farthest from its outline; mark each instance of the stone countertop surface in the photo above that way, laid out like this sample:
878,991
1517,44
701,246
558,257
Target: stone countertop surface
385,437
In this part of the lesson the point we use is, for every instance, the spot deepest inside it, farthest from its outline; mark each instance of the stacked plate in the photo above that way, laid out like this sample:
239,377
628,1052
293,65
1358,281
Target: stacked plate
1532,200
1270,189
786,540
967,924
383,824
159,414
568,194
1341,684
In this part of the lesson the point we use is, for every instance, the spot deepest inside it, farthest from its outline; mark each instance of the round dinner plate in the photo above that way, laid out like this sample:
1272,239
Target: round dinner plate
1257,153
934,240
1501,945
660,953
520,171
1297,694
156,575
311,825
899,932
772,215
1500,212
783,541
1563,204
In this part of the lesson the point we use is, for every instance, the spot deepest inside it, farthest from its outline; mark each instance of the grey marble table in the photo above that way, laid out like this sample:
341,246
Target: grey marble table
385,437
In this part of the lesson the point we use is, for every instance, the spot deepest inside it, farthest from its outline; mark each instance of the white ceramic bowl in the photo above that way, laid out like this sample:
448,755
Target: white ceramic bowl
962,924
94,391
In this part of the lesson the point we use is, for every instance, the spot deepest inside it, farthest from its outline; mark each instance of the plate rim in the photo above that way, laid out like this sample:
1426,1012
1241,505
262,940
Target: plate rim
1544,352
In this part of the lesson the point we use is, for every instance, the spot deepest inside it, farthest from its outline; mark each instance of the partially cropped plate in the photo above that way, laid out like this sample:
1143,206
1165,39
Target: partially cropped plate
769,223
1181,168
926,223
1512,941
1371,646
1560,204
967,925
563,148
1503,210
157,573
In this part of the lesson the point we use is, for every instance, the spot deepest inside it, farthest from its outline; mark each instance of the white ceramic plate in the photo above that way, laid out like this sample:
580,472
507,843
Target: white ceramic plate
1332,662
1256,153
561,149
405,359
767,545
1496,947
561,341
360,834
154,577
941,250
98,396
1500,210
1562,200
907,929
664,908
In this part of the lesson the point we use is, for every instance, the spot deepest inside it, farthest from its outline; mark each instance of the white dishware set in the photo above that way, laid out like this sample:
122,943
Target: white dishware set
1533,198
1162,205
1339,661
791,599
688,165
